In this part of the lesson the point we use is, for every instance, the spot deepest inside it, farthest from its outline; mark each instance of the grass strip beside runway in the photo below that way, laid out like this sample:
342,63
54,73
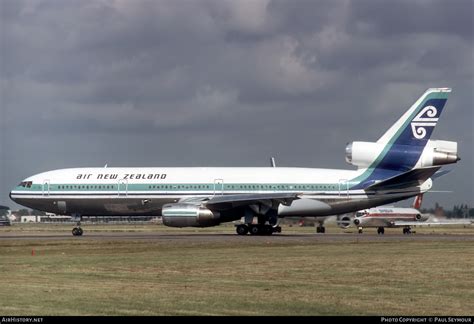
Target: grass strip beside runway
235,277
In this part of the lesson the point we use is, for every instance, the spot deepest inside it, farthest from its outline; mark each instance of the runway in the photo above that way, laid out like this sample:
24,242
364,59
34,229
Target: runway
204,238
157,270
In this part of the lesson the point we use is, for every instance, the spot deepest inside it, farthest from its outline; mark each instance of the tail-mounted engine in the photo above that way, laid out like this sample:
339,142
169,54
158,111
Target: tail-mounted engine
189,215
363,154
439,153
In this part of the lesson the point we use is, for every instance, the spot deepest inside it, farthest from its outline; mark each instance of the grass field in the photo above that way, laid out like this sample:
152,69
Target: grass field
88,276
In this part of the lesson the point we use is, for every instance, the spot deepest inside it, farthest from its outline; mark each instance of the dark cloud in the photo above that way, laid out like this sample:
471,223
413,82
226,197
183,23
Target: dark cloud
225,83
404,17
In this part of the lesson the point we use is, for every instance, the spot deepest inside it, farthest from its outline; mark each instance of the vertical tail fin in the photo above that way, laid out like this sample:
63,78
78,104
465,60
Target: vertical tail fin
403,143
405,140
418,201
416,125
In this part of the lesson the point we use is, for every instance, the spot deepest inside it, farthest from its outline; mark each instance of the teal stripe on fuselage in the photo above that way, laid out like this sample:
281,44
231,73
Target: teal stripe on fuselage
248,187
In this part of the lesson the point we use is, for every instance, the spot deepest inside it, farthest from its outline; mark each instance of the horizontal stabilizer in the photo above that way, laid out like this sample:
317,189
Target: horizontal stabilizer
407,179
440,173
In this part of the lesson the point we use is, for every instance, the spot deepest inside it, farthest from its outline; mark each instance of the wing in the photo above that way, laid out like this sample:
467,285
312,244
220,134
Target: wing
231,201
194,200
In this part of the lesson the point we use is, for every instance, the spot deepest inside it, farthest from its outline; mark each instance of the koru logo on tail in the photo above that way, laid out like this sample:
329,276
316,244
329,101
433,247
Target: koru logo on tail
426,118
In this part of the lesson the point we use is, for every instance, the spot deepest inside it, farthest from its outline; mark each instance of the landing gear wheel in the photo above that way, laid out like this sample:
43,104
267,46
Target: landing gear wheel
406,231
360,230
320,229
380,230
77,231
255,230
267,230
242,229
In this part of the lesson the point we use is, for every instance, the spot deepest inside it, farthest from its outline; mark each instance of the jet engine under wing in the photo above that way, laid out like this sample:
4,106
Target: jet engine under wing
404,180
231,201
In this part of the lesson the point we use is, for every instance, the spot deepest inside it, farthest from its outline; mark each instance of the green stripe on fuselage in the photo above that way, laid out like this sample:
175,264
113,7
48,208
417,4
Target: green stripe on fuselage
179,187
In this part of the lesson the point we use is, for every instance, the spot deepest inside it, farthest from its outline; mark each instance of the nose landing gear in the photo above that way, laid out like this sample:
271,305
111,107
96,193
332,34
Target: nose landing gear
77,231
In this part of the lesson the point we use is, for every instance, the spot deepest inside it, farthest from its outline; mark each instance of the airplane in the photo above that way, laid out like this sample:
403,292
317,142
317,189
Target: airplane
383,216
398,166
343,221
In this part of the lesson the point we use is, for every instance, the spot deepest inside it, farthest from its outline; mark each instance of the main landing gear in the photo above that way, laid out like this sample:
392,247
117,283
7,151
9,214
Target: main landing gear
255,229
406,230
77,231
321,229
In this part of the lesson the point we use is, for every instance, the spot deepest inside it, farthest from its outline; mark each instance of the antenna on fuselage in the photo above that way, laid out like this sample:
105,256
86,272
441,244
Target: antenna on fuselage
272,162
105,165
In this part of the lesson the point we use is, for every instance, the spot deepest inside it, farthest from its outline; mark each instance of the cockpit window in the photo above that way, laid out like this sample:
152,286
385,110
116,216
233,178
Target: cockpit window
25,184
360,213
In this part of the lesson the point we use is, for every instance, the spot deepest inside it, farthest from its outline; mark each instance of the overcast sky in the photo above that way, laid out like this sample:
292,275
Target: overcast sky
226,83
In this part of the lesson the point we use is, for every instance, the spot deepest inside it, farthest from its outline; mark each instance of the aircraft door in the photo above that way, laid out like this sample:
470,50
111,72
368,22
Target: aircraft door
46,188
122,188
343,187
218,187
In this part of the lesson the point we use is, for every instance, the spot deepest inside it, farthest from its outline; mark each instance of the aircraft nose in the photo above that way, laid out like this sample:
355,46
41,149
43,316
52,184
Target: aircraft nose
11,196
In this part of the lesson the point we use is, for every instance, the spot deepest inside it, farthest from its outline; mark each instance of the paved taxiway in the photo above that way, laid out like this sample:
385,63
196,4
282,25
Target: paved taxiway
216,238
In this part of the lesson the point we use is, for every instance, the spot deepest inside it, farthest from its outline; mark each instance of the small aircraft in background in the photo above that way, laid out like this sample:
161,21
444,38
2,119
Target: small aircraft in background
383,216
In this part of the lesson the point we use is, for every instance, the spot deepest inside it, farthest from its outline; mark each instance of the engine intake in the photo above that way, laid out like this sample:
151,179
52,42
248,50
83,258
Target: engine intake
189,215
362,154
344,221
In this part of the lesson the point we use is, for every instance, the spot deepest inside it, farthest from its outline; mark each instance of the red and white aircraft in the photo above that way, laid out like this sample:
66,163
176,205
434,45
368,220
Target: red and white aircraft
383,216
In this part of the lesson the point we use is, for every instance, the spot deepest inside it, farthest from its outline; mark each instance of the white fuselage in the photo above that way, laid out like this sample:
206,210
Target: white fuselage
387,216
143,191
